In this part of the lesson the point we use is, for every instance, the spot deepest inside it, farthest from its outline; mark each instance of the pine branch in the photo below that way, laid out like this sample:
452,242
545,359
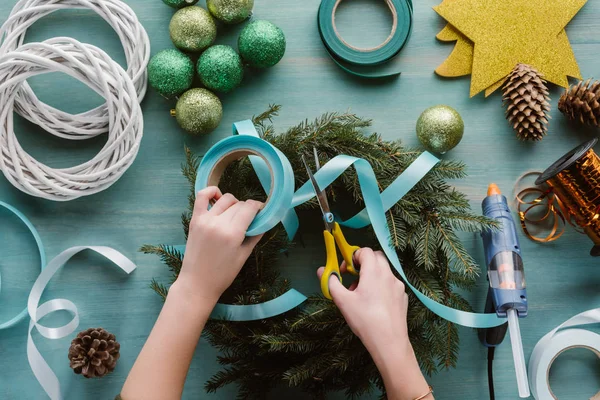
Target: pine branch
160,289
168,255
312,347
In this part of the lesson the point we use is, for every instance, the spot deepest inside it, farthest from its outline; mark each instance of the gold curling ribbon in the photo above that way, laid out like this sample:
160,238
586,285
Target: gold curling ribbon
569,193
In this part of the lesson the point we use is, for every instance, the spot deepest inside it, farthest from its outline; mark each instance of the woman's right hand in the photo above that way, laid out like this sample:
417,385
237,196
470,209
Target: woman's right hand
376,309
376,306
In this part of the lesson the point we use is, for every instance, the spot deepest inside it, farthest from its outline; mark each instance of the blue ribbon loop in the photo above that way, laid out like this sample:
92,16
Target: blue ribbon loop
276,176
38,240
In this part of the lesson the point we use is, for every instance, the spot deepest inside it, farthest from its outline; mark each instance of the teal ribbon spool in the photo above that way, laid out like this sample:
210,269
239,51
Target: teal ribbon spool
38,240
366,63
276,176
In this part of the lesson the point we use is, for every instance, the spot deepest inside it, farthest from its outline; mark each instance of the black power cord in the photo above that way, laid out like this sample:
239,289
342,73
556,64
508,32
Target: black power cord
491,351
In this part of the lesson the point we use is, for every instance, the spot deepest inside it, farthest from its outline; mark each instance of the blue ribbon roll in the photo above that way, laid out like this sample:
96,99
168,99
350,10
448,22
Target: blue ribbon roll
276,176
366,63
38,240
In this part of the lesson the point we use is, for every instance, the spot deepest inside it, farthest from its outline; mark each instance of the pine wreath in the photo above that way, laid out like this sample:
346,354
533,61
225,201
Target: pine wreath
311,347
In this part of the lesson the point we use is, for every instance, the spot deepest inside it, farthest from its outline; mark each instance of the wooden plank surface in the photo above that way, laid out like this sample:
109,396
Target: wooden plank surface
144,206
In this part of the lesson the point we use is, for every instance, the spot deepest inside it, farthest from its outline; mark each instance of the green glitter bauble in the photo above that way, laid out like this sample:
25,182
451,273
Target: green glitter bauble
198,111
261,44
220,68
170,72
180,3
230,11
192,29
440,128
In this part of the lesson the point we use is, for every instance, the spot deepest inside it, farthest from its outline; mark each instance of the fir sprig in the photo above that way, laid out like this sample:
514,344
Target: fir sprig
312,347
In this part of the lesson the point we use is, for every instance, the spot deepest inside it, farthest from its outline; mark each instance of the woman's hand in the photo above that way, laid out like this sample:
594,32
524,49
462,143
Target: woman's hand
376,308
217,246
377,305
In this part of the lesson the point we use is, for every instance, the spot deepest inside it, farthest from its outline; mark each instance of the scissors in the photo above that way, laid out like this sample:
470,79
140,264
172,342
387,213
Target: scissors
333,235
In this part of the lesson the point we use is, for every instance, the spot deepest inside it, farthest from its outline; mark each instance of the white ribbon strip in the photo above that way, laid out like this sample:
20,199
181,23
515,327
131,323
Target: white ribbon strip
555,343
42,371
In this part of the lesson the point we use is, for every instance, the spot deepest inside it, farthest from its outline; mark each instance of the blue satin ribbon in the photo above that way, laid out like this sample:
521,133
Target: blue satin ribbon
276,176
38,240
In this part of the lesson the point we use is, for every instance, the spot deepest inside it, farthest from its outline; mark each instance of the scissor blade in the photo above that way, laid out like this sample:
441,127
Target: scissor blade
321,197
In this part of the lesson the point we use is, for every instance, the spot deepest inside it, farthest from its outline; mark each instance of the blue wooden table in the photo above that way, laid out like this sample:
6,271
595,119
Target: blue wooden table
145,205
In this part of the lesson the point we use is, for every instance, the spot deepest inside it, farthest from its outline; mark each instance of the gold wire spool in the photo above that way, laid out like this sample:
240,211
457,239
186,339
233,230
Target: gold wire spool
573,194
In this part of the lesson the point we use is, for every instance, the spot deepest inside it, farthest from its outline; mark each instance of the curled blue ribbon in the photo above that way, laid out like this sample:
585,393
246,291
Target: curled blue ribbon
276,176
38,240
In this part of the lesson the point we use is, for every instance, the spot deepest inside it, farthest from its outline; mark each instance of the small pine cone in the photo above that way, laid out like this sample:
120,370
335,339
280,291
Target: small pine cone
94,353
526,99
580,102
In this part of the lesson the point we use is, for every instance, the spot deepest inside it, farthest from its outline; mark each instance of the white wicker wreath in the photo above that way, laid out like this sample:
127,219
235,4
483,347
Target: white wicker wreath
135,44
97,70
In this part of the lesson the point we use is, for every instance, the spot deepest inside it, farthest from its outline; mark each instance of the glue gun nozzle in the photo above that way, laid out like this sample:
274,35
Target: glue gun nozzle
493,189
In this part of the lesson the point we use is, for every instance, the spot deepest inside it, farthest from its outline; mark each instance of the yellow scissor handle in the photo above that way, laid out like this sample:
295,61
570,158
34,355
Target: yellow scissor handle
346,249
332,267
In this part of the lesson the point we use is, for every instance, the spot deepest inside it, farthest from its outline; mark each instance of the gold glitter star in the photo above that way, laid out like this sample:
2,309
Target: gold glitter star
508,32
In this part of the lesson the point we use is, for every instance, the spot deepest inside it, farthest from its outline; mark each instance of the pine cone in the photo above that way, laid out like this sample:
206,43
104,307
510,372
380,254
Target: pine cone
526,99
580,102
94,353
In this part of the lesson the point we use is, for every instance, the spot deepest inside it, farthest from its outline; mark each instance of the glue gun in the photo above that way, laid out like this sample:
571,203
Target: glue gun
507,296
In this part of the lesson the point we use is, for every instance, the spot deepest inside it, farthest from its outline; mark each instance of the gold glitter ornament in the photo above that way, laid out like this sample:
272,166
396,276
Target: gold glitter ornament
230,11
440,128
198,111
192,29
505,33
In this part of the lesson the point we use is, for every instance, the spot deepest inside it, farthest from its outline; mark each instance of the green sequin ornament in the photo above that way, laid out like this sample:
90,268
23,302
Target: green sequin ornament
198,111
440,128
220,68
192,29
230,11
180,3
261,44
170,72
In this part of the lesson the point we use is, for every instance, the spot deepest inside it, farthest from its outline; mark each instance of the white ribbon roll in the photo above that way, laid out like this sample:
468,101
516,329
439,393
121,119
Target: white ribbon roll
42,371
555,343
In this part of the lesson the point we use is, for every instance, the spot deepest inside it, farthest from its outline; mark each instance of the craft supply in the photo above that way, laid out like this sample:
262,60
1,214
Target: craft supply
171,72
276,176
192,29
505,33
136,46
333,236
366,62
526,99
562,338
40,248
220,68
230,11
581,102
94,353
261,44
180,3
198,111
42,371
460,61
507,296
440,128
575,180
96,69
